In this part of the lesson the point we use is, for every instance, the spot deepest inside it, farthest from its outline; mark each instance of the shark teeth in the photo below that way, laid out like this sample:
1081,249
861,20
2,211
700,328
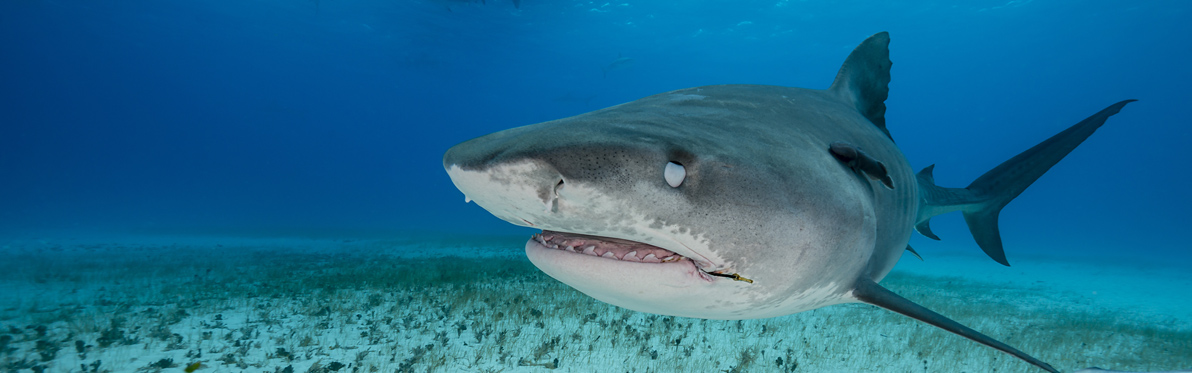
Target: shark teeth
608,248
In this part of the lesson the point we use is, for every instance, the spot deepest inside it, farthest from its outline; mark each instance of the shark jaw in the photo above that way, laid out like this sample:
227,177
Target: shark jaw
611,271
608,248
623,250
606,251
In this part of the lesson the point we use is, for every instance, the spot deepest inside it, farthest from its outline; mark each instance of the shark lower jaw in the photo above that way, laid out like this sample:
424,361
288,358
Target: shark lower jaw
573,257
676,287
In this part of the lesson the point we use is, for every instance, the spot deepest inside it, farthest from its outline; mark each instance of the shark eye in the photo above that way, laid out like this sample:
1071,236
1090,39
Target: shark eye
674,174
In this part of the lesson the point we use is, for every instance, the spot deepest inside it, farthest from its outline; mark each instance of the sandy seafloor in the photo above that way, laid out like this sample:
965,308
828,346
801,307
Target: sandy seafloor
419,304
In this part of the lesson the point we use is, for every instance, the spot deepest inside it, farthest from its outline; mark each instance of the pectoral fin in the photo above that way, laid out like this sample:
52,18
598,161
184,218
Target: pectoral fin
870,292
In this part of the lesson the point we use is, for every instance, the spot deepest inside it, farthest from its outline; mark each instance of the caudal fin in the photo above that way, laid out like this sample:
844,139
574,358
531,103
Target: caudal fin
983,200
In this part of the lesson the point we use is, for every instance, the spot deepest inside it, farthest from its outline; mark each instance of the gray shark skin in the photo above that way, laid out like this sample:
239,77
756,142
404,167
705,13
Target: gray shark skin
737,201
620,63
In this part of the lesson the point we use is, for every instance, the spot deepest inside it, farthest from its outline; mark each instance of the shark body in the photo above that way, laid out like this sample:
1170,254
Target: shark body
620,63
738,201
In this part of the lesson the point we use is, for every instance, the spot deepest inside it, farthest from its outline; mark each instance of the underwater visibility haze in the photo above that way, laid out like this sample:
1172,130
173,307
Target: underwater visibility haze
259,186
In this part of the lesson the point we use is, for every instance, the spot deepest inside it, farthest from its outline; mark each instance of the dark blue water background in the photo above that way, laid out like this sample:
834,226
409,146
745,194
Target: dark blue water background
332,115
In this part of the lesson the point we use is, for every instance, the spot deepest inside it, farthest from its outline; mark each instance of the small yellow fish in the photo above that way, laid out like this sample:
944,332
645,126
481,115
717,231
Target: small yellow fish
193,367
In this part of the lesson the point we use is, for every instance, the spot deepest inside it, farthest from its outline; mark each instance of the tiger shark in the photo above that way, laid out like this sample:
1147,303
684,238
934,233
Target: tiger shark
739,201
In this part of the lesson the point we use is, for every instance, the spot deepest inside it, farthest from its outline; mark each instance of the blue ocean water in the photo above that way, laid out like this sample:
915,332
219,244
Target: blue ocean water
331,117
335,114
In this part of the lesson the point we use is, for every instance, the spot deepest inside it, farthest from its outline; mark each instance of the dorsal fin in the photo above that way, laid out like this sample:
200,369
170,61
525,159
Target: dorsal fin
864,79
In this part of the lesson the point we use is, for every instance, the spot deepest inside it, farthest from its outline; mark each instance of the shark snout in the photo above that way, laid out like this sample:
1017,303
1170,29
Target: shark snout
507,181
506,174
567,176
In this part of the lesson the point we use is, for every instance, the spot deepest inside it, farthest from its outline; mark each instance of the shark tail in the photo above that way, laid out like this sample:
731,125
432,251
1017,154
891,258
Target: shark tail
983,200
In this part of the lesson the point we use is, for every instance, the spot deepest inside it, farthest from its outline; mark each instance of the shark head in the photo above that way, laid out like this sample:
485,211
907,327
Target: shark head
673,205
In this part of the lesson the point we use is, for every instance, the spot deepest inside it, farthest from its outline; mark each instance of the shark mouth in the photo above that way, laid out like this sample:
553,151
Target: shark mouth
622,250
605,247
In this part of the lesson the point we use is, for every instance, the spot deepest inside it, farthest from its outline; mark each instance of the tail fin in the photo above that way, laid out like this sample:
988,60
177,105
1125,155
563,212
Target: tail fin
982,200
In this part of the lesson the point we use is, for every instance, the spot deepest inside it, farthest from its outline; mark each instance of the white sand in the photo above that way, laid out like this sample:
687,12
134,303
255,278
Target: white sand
265,304
1132,284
